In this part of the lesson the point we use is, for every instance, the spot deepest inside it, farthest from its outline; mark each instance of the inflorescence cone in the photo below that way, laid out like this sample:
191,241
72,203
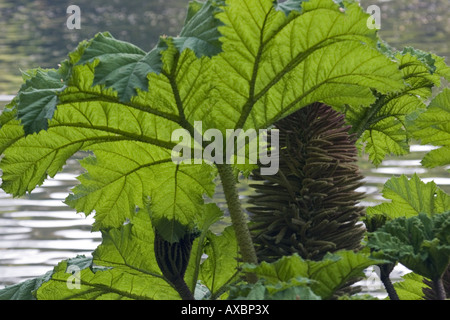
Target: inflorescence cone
310,207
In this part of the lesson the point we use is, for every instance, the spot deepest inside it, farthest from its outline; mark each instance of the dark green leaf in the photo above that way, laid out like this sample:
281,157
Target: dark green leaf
121,65
421,243
25,289
38,98
200,32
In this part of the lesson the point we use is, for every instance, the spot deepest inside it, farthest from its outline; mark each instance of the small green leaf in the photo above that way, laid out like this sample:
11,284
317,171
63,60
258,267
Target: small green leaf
411,286
337,269
284,269
432,126
24,290
121,65
385,137
200,31
326,275
411,197
292,290
38,98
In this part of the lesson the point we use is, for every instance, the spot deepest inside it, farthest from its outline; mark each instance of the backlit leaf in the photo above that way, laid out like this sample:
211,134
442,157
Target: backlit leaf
326,275
382,126
411,197
245,64
433,127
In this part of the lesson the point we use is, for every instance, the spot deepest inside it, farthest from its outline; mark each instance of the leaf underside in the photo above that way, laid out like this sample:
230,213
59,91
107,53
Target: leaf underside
248,65
236,64
411,197
432,126
125,265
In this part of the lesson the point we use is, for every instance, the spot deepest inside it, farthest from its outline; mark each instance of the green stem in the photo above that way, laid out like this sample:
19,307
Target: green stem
364,124
438,286
238,218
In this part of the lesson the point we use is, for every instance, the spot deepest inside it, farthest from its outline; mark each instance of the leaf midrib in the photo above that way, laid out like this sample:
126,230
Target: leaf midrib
107,99
253,98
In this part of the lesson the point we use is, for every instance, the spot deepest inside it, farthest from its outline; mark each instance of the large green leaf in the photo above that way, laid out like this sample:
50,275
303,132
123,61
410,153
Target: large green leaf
411,197
273,64
123,104
131,152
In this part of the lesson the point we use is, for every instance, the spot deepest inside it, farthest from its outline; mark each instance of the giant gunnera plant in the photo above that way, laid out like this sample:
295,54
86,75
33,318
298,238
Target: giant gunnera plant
235,65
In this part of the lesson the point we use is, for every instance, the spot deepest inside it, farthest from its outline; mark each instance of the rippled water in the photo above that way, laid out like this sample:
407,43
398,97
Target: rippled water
39,230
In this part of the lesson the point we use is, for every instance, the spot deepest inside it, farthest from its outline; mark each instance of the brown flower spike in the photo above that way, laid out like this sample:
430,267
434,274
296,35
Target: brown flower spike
310,207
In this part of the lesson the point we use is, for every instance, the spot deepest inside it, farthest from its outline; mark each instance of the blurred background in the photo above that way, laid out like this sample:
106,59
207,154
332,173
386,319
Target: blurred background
38,230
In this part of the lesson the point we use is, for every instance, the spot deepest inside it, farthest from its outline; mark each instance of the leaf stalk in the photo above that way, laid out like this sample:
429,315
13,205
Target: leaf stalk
385,270
438,286
238,218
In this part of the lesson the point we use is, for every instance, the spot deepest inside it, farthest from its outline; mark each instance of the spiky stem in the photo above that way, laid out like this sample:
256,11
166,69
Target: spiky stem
238,218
